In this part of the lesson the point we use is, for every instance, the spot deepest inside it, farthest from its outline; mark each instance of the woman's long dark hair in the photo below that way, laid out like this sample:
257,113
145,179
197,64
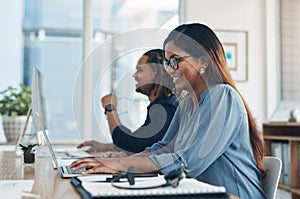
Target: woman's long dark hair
162,78
200,41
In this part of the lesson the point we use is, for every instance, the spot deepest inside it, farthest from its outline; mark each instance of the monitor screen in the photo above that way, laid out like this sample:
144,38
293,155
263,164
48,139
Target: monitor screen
38,99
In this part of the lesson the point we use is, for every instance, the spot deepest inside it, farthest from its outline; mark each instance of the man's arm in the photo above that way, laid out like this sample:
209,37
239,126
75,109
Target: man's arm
113,119
153,130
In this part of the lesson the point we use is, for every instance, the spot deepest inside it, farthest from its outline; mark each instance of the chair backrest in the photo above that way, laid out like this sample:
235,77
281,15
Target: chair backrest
273,168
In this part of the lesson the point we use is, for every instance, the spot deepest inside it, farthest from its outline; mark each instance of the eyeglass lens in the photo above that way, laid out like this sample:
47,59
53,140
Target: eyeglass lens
172,63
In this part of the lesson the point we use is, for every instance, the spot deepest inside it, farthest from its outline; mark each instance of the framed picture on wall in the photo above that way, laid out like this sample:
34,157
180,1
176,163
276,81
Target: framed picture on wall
236,51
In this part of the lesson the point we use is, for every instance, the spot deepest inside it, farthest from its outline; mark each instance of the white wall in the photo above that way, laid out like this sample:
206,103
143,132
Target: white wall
240,15
11,41
11,61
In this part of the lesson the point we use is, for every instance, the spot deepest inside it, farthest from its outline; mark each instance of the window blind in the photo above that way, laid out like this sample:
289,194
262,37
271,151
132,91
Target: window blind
290,49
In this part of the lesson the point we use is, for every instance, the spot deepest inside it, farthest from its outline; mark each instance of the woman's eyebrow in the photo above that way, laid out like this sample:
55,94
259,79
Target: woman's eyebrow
173,55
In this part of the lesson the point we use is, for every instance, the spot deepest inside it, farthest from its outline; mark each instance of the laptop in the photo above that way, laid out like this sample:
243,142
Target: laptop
62,165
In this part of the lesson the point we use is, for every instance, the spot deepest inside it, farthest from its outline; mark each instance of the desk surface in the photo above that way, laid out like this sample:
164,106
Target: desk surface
47,181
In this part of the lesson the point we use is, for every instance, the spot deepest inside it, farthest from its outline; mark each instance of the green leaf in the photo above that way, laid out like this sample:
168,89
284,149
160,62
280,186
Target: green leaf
27,149
15,101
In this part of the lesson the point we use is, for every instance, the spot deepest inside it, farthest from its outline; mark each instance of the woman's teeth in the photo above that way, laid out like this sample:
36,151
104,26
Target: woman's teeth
177,77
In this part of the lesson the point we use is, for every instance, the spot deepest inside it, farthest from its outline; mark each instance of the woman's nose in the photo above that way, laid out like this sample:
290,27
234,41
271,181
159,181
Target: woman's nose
170,70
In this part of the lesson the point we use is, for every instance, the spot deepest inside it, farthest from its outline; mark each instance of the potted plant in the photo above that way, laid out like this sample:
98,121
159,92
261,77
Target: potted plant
28,153
14,105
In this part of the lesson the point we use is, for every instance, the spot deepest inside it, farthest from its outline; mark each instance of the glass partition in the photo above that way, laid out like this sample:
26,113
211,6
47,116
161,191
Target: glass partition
52,32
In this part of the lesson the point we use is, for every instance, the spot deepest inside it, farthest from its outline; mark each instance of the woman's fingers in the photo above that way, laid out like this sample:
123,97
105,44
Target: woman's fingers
100,169
87,165
94,165
78,163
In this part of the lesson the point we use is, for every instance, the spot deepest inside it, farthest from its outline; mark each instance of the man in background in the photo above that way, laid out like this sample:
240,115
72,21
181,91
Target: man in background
153,81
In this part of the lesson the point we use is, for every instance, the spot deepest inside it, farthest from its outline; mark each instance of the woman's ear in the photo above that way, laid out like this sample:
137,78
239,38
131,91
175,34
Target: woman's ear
202,62
202,65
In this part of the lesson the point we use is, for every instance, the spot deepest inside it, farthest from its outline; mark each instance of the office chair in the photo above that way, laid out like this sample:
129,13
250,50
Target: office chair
273,168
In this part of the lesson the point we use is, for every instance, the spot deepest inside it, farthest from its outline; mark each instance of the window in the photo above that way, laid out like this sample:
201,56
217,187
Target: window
52,31
290,50
287,15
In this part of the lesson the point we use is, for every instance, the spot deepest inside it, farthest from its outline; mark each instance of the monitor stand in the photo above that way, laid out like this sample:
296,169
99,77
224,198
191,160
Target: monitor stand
23,132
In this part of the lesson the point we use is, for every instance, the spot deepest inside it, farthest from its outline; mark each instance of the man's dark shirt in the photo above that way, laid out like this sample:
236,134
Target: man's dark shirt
159,116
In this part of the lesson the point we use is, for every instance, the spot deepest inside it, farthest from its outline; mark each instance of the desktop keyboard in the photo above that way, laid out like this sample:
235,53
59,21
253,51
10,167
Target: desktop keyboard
77,153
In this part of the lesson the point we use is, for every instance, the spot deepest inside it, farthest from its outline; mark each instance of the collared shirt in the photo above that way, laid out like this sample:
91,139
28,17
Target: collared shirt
212,141
159,116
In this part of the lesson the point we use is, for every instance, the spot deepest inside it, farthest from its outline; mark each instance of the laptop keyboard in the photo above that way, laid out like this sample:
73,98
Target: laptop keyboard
68,170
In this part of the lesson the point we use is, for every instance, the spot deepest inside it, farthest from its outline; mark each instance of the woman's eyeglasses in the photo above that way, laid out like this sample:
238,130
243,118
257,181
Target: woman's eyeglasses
173,62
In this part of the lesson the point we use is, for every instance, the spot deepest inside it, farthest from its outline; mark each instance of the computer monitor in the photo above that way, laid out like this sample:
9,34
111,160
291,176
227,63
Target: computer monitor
38,99
37,105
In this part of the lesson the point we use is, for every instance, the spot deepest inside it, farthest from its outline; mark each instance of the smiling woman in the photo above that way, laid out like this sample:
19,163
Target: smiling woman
212,129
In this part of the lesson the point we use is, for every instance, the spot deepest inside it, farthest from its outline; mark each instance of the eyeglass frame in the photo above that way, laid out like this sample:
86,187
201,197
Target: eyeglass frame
168,64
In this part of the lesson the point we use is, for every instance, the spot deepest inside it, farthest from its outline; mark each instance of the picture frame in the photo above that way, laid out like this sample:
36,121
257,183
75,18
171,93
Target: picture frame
235,45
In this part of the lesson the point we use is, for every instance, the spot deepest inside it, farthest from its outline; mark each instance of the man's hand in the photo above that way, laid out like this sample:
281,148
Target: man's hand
95,146
109,99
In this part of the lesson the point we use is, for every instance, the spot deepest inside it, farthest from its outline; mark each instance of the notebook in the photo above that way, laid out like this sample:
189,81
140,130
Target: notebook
187,188
62,165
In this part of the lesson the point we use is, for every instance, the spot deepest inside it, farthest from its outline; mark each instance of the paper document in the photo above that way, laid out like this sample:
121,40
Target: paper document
94,178
13,189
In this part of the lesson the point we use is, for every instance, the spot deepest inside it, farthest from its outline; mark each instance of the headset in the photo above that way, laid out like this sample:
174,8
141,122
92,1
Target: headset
172,179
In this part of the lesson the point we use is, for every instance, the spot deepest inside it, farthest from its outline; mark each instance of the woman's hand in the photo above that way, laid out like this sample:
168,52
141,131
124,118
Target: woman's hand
93,165
115,165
